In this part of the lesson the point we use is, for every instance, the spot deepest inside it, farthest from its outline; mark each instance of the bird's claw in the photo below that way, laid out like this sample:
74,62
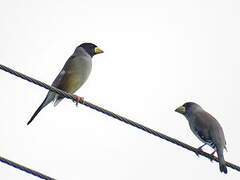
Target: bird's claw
212,156
79,99
197,154
199,150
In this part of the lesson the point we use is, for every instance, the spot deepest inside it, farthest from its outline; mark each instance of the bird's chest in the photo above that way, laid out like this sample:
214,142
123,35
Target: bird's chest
81,71
76,76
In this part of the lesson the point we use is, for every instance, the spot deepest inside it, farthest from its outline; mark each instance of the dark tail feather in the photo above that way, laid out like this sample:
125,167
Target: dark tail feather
36,113
222,164
223,168
47,100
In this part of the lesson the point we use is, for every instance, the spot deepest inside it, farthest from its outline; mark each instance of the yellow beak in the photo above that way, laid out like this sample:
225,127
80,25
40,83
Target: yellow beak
98,50
181,109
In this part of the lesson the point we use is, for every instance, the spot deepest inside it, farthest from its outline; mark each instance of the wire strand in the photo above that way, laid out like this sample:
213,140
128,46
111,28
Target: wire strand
116,116
25,169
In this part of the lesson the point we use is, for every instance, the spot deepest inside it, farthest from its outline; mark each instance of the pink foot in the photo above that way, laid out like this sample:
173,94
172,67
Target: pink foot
199,149
212,156
79,99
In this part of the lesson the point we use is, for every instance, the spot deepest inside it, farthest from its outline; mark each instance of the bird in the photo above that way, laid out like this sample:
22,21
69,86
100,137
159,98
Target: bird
206,128
73,75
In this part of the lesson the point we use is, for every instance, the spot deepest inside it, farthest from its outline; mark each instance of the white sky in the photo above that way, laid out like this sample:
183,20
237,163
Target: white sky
158,55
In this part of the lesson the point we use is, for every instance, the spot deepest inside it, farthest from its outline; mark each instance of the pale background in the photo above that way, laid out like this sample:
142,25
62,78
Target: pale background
158,55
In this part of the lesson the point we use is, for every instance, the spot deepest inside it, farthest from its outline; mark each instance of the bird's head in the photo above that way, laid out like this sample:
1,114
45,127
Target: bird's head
90,48
188,108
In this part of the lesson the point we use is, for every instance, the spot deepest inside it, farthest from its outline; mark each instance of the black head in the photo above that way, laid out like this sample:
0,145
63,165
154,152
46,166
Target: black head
188,107
90,48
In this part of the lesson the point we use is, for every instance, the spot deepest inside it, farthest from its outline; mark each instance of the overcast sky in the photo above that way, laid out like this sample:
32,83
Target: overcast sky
157,55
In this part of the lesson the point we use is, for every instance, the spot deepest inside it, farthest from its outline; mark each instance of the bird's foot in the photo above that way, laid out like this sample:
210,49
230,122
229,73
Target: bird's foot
212,156
79,99
199,150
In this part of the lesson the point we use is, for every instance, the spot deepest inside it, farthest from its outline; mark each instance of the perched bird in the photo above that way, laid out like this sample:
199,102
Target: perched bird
73,74
206,128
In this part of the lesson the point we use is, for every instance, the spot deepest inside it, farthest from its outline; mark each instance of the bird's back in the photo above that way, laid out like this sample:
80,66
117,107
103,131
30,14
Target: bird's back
213,129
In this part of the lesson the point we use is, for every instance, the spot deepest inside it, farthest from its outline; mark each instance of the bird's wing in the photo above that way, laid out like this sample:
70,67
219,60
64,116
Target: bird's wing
62,79
200,127
56,83
203,128
204,137
66,69
62,73
59,78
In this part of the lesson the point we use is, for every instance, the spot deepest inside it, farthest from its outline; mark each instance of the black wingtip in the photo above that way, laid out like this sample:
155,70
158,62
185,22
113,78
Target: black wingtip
223,168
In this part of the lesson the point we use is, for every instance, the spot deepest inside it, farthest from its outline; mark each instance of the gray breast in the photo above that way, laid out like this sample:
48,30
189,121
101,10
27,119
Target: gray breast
82,69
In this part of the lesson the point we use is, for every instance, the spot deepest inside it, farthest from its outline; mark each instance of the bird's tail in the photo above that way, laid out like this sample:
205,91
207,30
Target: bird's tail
47,100
222,163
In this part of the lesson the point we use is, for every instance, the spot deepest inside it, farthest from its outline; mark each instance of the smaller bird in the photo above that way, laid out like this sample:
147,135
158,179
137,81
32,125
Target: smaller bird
73,75
206,128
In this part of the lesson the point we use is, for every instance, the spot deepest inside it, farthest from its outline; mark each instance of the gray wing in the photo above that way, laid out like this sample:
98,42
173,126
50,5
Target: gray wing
58,80
209,130
204,137
201,128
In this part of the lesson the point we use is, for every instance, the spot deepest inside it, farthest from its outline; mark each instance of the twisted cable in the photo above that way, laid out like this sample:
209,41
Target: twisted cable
116,116
25,169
